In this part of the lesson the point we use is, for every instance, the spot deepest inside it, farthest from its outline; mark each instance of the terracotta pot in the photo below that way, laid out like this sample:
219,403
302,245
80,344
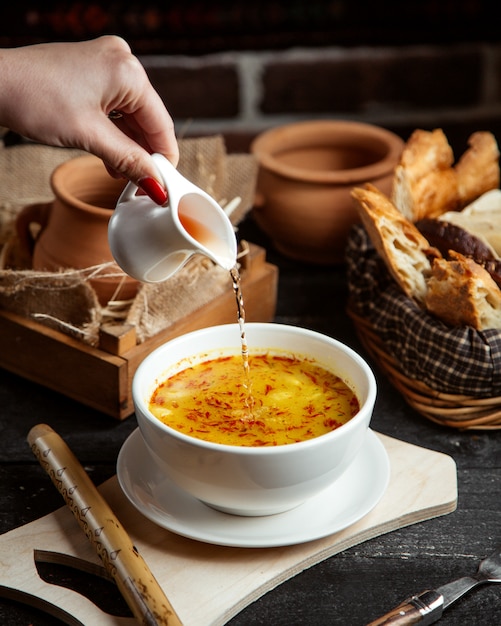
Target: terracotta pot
306,172
73,228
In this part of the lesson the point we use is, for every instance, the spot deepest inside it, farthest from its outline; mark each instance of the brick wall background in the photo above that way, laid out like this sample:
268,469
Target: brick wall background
237,67
239,93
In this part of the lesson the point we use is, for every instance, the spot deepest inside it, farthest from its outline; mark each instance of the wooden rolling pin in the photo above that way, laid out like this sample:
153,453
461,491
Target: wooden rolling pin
121,559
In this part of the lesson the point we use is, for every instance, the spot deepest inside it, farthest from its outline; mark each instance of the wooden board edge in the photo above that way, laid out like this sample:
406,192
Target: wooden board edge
350,540
284,563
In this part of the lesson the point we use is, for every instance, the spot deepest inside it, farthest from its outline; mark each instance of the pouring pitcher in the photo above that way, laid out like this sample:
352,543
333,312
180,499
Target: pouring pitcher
151,242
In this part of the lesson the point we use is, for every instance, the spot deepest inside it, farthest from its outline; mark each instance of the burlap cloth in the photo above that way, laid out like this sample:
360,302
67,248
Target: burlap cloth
65,300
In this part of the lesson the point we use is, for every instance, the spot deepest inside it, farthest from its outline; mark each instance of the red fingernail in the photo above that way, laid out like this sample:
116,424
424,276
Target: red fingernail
154,189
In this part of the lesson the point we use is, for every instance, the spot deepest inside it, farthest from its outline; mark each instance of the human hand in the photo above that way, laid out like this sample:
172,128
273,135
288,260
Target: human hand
61,94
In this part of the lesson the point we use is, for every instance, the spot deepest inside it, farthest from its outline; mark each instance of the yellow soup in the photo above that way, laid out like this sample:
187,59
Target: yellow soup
281,400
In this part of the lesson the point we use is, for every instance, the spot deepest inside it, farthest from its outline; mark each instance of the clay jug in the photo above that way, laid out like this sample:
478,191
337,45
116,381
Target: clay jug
73,228
306,173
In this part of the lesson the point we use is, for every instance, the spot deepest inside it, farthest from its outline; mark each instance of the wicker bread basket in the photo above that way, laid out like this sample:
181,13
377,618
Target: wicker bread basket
450,376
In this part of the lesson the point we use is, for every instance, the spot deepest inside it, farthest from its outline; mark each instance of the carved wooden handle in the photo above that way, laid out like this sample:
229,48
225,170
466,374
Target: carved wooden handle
402,615
424,609
121,559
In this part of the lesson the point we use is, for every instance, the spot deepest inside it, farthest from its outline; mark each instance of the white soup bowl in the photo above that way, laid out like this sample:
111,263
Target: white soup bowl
253,480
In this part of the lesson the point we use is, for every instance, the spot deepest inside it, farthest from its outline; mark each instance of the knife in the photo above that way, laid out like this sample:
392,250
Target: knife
428,606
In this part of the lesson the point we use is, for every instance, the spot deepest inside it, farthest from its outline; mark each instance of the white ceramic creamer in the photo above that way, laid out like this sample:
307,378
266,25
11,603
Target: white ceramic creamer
151,242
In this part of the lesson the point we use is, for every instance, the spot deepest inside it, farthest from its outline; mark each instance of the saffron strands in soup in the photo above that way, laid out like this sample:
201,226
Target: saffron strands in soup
294,399
277,399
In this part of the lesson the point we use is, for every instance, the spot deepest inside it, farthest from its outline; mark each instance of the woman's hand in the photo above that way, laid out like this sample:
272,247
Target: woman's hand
62,94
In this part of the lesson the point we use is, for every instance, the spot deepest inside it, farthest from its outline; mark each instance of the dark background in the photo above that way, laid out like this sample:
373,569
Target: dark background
200,27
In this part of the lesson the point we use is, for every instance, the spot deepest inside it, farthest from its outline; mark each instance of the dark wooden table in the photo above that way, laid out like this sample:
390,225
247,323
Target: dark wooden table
349,589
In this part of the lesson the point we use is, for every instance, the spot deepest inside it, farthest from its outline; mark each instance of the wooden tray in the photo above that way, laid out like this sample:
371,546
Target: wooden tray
101,377
208,584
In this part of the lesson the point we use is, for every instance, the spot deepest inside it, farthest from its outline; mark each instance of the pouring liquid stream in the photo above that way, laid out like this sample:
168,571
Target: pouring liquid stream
206,237
237,288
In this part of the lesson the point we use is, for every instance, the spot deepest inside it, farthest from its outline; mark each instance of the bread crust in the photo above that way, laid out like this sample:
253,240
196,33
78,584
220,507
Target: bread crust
446,236
396,239
457,283
426,151
425,182
461,292
477,170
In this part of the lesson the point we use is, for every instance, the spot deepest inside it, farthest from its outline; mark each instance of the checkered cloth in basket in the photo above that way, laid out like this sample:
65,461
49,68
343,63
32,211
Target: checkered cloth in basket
458,360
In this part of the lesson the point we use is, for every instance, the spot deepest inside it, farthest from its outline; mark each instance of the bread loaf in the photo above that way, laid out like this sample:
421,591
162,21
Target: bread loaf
446,236
477,170
482,218
457,289
447,260
404,249
425,182
460,292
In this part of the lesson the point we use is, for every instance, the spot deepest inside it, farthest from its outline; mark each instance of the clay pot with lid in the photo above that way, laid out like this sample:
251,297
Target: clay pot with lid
73,228
306,172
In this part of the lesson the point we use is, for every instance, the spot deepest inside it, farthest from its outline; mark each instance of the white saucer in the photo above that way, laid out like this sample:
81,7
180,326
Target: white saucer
349,499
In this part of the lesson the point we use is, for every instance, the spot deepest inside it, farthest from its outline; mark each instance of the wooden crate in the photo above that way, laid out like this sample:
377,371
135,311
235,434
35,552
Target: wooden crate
102,377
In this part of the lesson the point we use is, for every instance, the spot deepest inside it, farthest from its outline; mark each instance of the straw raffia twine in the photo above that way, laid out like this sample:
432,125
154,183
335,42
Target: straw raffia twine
66,300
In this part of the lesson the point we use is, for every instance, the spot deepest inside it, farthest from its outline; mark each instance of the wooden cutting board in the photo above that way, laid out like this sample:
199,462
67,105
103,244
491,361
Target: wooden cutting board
209,584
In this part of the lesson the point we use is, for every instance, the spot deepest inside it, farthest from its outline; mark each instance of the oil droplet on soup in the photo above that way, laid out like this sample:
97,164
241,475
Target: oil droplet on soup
292,400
